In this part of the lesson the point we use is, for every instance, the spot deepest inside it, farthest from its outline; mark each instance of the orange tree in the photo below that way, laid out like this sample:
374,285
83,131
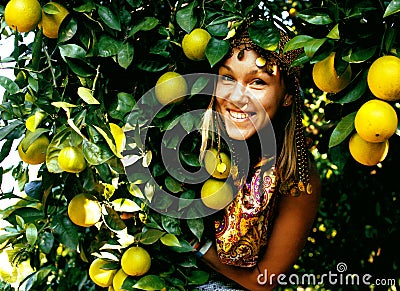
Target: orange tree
81,84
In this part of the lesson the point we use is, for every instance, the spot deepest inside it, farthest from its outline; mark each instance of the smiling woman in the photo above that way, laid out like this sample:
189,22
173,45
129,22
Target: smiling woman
256,112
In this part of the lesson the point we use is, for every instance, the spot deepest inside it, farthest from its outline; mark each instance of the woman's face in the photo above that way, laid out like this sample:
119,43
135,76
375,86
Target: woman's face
247,97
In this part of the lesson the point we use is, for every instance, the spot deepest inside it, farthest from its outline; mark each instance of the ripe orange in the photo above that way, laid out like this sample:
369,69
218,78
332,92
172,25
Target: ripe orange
171,87
326,78
36,152
216,194
84,210
376,121
23,15
136,261
71,160
194,44
383,78
119,279
217,164
101,277
367,153
51,22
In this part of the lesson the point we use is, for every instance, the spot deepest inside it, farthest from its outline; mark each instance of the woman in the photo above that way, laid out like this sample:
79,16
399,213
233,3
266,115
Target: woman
262,232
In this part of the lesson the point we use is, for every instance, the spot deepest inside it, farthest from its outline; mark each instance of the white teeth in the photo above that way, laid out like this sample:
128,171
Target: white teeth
239,115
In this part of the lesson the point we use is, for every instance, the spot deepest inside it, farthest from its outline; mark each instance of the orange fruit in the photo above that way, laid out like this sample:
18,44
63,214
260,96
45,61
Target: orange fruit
194,44
383,78
171,87
119,279
100,276
135,261
216,194
326,78
367,153
84,210
23,15
217,164
36,152
51,22
376,121
71,159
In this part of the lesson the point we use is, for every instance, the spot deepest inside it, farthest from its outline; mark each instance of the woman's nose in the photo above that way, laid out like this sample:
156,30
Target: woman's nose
239,95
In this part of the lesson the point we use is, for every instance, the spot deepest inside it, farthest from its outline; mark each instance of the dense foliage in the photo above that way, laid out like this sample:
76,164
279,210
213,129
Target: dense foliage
108,55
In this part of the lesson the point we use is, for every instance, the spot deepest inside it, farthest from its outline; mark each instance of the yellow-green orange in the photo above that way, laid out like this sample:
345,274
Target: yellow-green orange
99,274
216,194
383,78
194,44
217,164
171,87
326,78
84,210
136,261
367,153
23,15
71,159
376,121
119,279
36,152
51,22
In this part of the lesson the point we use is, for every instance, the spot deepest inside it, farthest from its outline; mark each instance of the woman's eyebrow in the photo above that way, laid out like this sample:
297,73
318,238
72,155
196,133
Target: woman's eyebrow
226,67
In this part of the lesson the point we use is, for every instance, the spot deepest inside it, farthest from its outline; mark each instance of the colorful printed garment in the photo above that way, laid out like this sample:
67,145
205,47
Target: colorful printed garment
243,231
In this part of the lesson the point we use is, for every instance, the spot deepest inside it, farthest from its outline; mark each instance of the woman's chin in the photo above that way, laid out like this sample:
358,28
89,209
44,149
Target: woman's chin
237,134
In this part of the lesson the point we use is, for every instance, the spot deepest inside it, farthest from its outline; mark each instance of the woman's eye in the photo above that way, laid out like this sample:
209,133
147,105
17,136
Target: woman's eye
259,82
227,78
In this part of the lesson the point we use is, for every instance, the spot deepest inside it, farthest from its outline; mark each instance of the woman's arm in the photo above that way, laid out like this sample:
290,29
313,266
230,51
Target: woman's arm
295,217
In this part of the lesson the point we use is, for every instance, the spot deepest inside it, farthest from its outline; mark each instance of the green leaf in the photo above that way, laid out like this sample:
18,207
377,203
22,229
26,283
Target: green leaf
5,150
68,32
313,45
186,199
109,18
264,34
80,67
6,130
108,46
49,8
186,17
190,158
392,8
334,33
73,51
150,282
125,103
198,277
86,95
31,234
187,121
170,240
46,242
152,65
199,85
360,54
9,85
356,91
65,231
216,49
37,278
315,16
109,141
342,130
95,153
30,137
299,41
125,55
196,226
171,224
172,185
150,236
112,220
148,23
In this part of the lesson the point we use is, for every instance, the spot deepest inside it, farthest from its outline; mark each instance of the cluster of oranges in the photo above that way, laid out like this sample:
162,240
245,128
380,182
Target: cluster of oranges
26,15
376,120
